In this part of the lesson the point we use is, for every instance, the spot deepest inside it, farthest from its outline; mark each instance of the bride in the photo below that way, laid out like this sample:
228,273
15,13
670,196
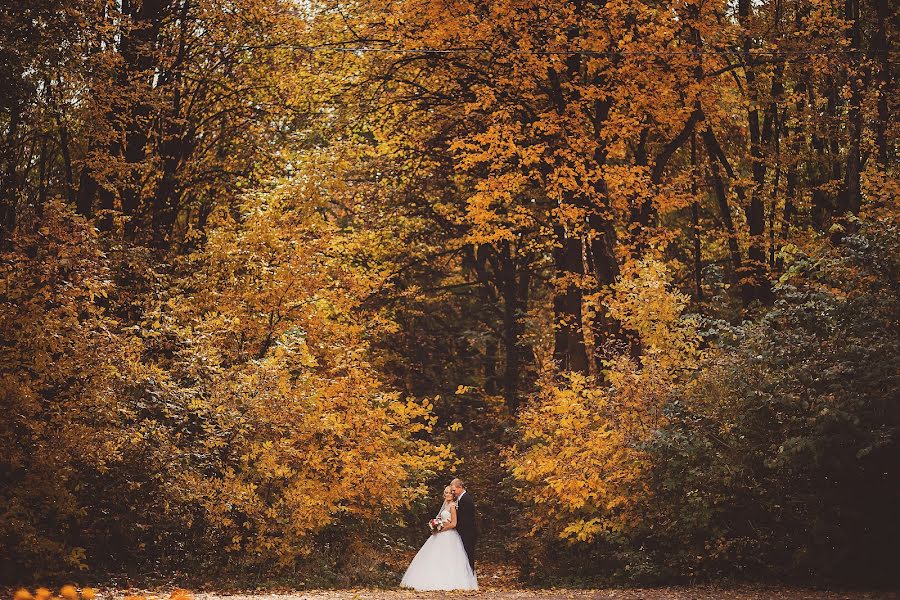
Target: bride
442,562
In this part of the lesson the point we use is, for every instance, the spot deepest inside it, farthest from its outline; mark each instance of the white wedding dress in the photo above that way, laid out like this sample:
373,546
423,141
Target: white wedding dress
441,563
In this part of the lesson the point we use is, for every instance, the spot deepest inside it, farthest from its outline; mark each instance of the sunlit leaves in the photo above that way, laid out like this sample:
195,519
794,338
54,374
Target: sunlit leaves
581,454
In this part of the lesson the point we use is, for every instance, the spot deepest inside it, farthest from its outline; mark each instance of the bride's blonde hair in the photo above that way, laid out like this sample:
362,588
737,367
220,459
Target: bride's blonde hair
446,502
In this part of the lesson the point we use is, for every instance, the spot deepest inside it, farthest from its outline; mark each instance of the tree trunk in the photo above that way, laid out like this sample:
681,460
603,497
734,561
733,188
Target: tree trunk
850,198
569,350
8,200
137,49
881,47
695,223
756,284
514,281
718,186
490,366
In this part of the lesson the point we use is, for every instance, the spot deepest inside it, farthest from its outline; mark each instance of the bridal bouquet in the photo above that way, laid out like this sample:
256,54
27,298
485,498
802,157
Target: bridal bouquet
435,525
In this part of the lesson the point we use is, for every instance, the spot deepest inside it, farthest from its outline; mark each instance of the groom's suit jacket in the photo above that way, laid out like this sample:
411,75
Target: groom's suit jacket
465,525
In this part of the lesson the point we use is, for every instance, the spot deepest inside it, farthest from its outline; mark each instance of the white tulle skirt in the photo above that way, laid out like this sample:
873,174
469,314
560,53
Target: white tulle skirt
441,564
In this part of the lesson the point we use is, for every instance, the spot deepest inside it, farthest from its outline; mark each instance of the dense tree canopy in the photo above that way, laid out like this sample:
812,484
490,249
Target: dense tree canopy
272,271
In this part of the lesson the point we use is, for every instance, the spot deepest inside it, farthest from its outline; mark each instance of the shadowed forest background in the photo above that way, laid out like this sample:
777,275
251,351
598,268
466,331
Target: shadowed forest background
273,272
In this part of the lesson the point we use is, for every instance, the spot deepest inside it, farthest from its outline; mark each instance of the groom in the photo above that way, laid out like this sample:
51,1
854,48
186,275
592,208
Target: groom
465,518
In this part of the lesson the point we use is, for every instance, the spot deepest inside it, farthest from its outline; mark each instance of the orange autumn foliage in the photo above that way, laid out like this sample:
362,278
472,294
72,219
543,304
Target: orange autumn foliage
259,415
581,453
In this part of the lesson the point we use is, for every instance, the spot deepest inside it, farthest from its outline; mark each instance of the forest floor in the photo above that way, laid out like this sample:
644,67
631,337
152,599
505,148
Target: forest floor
499,582
663,593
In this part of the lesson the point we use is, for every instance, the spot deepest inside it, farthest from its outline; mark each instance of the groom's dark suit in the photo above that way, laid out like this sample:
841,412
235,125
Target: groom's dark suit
465,525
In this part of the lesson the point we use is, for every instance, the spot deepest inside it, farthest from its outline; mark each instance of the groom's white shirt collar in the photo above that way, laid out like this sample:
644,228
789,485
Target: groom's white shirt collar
461,495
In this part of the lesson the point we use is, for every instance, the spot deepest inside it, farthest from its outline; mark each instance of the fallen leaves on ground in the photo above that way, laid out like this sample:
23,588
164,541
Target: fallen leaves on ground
494,593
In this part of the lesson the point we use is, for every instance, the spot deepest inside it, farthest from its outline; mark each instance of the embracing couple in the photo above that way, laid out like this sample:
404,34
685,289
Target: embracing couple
447,559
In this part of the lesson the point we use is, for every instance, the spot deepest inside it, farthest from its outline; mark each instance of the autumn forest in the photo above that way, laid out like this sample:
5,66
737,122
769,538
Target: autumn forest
272,272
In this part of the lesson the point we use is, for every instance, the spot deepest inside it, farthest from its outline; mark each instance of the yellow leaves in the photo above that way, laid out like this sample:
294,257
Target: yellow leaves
628,186
253,366
456,427
579,442
572,217
586,530
643,302
78,558
444,451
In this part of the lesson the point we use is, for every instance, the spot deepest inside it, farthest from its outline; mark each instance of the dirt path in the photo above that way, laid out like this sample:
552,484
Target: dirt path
667,593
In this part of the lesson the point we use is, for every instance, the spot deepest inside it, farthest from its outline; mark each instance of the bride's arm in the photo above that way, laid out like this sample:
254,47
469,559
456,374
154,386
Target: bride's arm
452,523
